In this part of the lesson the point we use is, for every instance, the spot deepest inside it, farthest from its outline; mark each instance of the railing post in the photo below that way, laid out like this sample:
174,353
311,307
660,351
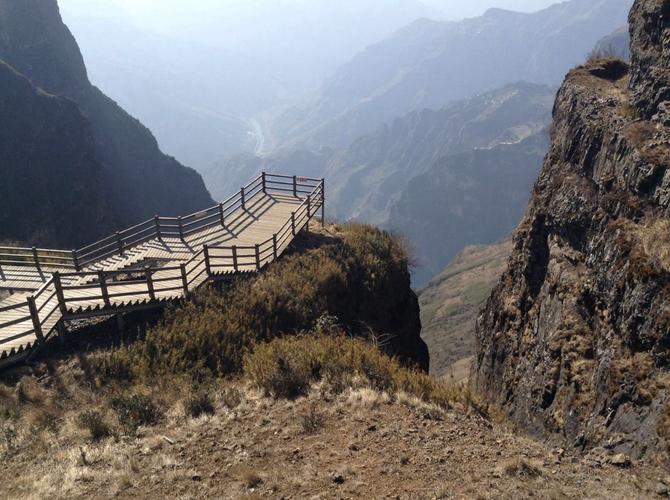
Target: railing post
184,279
293,223
208,267
258,257
58,284
37,326
181,228
75,261
242,198
223,221
295,186
235,267
263,181
37,263
309,210
150,283
119,242
323,202
157,224
274,246
103,288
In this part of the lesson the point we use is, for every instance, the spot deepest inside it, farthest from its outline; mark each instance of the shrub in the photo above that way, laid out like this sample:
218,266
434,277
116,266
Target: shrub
199,404
312,420
95,423
359,281
135,410
231,398
521,468
604,53
287,367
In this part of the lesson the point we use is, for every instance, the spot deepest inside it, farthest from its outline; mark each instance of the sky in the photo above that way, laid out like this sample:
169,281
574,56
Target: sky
458,9
163,13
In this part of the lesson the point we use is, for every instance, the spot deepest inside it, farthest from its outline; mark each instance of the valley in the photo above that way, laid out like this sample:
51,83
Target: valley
448,278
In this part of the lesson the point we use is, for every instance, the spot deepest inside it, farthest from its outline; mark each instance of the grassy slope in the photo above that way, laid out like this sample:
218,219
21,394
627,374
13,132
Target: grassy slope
450,304
342,438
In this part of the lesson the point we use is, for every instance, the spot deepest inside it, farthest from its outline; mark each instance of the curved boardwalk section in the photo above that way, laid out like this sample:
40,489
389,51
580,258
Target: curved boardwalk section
158,261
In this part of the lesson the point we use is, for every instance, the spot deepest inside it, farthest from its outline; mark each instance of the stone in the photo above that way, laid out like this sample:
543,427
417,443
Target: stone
620,460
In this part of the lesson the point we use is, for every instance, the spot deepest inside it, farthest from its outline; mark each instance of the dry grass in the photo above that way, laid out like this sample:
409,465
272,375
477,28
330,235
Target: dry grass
521,468
249,477
289,367
362,279
312,420
199,403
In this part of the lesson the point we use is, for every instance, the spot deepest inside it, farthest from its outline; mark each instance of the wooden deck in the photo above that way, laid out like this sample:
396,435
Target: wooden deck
155,262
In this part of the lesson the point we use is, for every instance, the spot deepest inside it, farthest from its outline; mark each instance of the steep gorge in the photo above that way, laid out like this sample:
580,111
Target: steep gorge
136,179
575,339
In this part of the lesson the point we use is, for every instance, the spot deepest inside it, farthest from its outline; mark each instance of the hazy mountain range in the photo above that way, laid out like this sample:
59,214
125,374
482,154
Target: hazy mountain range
198,74
474,160
429,64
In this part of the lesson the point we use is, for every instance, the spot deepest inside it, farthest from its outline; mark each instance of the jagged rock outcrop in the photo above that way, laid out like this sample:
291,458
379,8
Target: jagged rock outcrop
139,181
650,78
575,340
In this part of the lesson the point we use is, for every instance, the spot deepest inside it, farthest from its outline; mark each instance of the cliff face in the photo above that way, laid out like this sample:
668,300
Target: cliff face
575,340
47,153
650,77
140,181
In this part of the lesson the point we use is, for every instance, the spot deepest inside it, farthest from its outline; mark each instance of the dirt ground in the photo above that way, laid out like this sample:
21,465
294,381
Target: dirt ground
360,444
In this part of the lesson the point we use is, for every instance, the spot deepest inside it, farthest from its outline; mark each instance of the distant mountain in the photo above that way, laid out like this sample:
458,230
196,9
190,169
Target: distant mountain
367,178
477,197
133,177
430,63
198,74
616,44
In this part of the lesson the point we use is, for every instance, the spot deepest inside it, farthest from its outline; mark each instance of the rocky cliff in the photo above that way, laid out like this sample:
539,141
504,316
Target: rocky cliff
575,339
139,181
47,153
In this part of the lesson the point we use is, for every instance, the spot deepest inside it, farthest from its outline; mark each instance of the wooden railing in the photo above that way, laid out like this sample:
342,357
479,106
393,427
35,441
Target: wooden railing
70,291
157,228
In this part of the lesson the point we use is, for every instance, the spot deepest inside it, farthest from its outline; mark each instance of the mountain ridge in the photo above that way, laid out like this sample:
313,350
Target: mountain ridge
413,68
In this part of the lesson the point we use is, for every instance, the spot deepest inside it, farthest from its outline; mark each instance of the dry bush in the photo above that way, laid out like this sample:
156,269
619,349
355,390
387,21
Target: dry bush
287,367
521,468
605,53
231,398
312,420
361,278
250,477
200,403
135,410
95,423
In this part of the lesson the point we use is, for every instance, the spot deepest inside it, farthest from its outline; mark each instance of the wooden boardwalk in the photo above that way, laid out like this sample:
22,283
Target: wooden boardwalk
158,261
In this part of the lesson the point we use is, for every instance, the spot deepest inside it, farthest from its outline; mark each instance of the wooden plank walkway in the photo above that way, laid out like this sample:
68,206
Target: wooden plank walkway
158,261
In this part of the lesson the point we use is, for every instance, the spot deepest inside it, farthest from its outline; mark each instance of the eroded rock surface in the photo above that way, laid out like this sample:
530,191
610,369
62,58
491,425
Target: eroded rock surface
575,339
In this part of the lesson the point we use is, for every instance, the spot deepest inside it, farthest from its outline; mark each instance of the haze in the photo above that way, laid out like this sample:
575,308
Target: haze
207,76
